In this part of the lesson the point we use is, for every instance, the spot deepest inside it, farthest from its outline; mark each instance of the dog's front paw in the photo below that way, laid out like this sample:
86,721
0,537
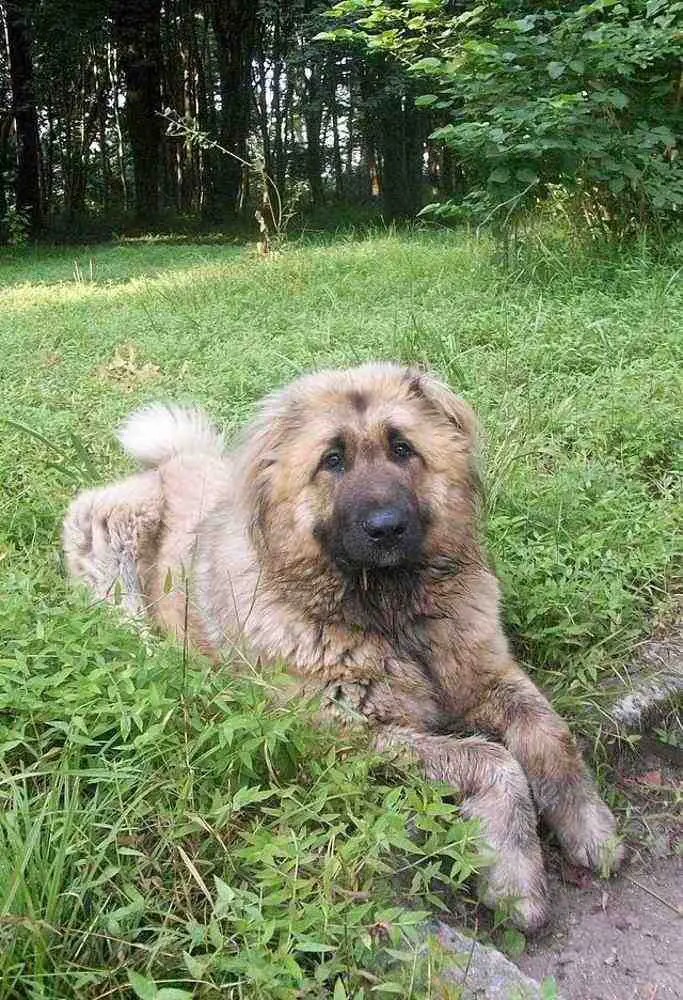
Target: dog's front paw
590,838
516,884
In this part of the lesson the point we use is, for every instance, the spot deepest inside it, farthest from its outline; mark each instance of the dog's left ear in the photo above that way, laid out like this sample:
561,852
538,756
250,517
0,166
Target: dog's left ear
441,398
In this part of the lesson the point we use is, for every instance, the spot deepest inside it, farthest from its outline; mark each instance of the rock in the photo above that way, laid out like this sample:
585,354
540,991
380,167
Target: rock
655,683
483,972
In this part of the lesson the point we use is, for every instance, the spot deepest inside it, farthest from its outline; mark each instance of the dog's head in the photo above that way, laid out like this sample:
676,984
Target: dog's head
370,466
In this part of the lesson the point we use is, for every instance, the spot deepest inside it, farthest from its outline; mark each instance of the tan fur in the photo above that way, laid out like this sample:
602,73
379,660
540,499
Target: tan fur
232,543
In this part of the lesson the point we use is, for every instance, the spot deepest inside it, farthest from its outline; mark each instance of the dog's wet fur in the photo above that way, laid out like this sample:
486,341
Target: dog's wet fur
339,536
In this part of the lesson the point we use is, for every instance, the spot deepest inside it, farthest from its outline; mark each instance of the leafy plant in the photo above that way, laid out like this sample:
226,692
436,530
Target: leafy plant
163,825
579,104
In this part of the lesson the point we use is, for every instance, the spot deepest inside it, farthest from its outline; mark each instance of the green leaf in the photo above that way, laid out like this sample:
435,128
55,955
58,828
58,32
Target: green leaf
514,942
246,796
337,35
618,99
548,988
144,988
339,990
555,70
427,65
316,947
194,966
499,176
425,100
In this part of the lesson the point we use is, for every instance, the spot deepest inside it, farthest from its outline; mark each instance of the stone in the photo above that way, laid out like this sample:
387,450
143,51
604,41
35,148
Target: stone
481,971
655,683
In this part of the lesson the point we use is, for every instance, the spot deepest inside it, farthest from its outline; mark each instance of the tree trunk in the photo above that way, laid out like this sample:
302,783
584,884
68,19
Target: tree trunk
5,128
27,181
312,112
336,144
205,110
102,140
234,26
401,147
350,129
279,126
261,91
137,35
120,158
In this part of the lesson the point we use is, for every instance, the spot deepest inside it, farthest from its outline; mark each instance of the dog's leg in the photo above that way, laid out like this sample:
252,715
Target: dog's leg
495,791
108,534
515,710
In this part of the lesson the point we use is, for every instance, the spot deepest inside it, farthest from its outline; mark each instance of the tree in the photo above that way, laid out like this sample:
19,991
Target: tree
234,27
136,30
400,135
27,177
580,101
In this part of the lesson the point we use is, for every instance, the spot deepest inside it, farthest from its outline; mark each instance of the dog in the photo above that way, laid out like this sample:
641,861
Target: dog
339,536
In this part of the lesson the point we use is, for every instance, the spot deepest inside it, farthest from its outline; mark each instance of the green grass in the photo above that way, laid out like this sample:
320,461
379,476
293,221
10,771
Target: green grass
161,818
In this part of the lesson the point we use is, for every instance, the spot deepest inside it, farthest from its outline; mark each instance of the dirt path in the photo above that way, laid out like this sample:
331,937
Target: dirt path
616,940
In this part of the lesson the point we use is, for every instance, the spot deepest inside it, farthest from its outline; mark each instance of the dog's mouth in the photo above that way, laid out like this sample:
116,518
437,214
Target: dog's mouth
359,555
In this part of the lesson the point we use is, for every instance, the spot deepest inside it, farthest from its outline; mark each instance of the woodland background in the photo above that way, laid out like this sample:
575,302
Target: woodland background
523,100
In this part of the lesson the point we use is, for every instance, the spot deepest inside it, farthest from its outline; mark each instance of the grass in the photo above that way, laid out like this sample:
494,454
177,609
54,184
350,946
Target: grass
165,831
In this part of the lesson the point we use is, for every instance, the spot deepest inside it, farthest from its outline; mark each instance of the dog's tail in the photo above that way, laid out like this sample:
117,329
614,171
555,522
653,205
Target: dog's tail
158,432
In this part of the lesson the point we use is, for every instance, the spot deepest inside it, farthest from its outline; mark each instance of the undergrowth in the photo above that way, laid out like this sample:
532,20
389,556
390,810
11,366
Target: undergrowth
164,828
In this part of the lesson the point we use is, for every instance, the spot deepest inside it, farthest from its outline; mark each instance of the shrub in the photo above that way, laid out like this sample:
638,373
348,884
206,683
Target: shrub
582,100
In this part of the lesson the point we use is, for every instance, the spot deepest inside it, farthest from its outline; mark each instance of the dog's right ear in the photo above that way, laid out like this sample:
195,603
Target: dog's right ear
259,455
440,398
255,465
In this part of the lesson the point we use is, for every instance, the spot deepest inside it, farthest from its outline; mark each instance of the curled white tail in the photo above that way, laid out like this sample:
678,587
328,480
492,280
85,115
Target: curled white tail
158,432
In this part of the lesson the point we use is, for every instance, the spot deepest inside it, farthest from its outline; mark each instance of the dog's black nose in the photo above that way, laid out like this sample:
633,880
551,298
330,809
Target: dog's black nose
385,524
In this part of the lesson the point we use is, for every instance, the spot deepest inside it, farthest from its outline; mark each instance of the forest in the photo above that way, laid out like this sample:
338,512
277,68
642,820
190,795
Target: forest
118,115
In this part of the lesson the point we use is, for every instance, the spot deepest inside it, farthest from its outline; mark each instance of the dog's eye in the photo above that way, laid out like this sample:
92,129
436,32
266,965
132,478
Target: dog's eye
401,450
333,461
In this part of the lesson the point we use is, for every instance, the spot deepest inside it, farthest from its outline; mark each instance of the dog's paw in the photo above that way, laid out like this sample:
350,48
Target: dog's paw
516,885
591,839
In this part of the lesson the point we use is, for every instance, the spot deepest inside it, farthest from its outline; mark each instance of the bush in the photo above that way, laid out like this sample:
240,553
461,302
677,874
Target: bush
583,101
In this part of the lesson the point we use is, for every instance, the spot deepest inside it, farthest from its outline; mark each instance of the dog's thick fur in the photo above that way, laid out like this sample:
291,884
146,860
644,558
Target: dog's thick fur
282,546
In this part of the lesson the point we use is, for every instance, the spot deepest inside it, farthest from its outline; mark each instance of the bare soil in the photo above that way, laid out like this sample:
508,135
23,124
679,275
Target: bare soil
623,939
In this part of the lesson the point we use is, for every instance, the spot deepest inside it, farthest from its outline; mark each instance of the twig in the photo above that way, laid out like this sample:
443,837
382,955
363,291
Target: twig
678,910
469,962
179,127
514,199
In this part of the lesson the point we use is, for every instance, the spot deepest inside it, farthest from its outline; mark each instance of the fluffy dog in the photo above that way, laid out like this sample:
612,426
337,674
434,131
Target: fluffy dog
339,537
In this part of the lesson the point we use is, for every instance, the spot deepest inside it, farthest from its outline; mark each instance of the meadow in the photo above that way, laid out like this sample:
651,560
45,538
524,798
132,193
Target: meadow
165,831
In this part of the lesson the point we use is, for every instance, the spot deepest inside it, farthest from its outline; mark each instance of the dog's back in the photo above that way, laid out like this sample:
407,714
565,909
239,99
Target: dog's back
134,541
